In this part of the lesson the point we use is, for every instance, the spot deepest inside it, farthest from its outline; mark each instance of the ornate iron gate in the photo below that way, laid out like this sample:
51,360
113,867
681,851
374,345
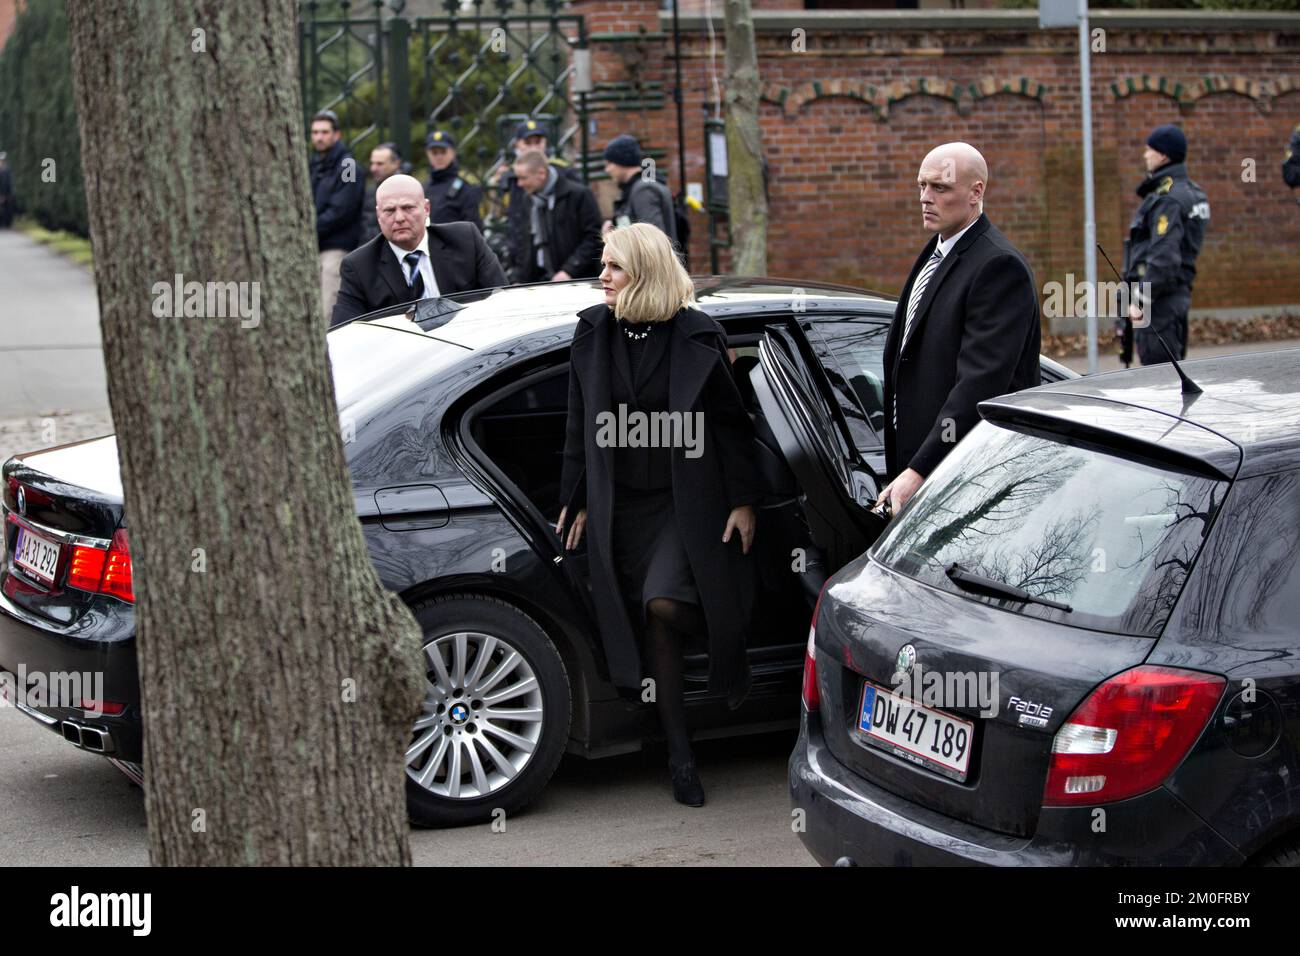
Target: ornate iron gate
474,70
466,69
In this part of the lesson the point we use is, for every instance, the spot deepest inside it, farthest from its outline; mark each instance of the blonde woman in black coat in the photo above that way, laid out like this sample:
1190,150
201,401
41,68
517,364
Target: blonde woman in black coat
657,472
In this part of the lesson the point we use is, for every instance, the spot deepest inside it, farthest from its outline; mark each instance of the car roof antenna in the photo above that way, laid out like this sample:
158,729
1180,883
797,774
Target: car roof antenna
1189,387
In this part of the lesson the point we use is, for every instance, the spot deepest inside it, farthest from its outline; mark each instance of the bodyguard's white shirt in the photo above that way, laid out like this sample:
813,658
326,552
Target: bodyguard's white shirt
945,245
426,267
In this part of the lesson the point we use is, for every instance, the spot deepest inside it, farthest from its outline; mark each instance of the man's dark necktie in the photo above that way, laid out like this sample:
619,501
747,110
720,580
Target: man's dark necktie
414,279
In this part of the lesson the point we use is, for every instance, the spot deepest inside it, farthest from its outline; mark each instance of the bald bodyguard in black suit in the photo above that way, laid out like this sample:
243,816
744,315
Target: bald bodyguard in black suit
437,260
966,327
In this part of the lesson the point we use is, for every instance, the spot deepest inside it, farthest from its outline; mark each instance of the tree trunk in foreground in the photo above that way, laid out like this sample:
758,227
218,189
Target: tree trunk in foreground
746,196
279,679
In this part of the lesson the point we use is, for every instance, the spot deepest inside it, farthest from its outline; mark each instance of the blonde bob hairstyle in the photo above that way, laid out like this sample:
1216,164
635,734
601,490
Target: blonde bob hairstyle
658,286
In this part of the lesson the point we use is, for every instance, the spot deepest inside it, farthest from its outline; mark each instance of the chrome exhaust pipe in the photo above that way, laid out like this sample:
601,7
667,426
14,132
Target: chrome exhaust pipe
88,738
96,740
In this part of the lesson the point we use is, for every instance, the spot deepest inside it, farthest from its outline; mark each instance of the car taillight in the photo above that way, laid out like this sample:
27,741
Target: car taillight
109,708
811,698
1129,734
86,567
117,568
107,572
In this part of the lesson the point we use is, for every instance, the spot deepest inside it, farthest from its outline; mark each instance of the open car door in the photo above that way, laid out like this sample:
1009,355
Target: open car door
804,412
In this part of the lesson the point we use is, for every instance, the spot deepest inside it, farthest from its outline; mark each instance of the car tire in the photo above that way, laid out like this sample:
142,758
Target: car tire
466,763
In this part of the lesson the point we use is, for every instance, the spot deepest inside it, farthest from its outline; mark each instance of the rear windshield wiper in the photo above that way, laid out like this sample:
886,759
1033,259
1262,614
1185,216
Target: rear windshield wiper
971,581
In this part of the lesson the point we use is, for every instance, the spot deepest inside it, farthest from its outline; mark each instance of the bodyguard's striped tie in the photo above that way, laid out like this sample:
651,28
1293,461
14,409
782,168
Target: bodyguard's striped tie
918,290
913,304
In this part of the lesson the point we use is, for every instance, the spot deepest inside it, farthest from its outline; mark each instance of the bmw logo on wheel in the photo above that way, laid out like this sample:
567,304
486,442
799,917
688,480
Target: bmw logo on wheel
459,713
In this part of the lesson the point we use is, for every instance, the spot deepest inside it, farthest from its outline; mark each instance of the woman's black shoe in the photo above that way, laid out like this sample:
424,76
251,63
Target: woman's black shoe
687,788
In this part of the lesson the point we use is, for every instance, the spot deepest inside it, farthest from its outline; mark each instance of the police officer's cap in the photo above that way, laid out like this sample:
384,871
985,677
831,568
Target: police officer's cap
439,138
531,128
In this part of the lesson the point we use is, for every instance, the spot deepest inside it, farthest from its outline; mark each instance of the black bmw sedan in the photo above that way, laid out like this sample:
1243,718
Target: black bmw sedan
453,418
1079,643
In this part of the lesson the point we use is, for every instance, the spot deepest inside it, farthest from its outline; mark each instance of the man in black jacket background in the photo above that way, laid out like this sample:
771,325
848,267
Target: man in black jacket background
339,190
561,239
966,327
412,260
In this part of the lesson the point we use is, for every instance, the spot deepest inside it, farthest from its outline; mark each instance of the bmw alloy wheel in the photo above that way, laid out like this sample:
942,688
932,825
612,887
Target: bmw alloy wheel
482,718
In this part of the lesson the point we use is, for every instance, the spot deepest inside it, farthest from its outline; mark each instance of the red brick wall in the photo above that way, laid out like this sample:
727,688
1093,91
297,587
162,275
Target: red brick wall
841,169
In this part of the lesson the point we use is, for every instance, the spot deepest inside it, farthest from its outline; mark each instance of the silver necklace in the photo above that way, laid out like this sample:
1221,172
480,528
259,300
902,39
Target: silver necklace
636,336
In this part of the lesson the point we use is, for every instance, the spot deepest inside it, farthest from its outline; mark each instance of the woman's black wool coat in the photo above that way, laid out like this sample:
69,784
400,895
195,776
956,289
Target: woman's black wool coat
705,488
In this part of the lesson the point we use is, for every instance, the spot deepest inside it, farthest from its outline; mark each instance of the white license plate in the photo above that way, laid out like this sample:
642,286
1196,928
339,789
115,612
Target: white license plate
36,555
921,735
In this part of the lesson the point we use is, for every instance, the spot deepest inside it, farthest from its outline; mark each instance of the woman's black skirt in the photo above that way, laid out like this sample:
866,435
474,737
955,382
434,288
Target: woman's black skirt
648,553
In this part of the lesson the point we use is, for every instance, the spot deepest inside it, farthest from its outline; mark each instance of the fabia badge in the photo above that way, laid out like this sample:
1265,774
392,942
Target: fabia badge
904,663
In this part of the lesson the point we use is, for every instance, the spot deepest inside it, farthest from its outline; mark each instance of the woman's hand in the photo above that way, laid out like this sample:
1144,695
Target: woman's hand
742,520
575,532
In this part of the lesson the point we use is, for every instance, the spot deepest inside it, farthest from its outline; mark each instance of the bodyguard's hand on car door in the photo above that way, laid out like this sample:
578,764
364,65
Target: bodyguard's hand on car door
900,490
575,532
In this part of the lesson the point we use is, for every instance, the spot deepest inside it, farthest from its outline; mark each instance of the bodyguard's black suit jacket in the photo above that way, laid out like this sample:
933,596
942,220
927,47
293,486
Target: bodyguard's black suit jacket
372,278
976,335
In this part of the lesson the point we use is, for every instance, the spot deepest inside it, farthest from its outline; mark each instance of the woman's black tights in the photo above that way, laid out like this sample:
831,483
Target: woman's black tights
668,624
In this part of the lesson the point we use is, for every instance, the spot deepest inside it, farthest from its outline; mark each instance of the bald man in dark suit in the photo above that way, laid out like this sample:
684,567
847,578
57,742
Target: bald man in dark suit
410,261
966,327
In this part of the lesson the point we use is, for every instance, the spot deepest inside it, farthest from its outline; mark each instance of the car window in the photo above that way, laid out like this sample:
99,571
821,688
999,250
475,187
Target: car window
852,351
1111,538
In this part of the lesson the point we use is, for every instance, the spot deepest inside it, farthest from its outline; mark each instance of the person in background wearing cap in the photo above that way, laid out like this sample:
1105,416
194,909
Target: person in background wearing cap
339,190
1160,251
385,161
530,137
641,198
561,236
452,196
1291,163
534,137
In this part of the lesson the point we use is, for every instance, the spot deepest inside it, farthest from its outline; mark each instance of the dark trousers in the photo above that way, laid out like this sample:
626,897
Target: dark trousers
1169,319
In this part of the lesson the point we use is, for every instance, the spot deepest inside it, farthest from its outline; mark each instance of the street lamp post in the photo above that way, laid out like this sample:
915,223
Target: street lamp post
1062,13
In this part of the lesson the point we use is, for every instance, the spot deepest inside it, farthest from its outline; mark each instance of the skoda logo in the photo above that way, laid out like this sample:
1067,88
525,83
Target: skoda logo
22,501
905,661
459,714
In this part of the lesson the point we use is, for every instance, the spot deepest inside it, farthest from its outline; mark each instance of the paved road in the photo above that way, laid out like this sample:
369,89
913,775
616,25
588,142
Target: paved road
62,807
50,354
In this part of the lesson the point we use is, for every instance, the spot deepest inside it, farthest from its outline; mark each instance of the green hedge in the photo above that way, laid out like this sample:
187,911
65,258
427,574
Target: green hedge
38,119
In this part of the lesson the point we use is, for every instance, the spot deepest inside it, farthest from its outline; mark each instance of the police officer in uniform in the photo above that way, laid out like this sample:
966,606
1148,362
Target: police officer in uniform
1291,163
453,196
1160,251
